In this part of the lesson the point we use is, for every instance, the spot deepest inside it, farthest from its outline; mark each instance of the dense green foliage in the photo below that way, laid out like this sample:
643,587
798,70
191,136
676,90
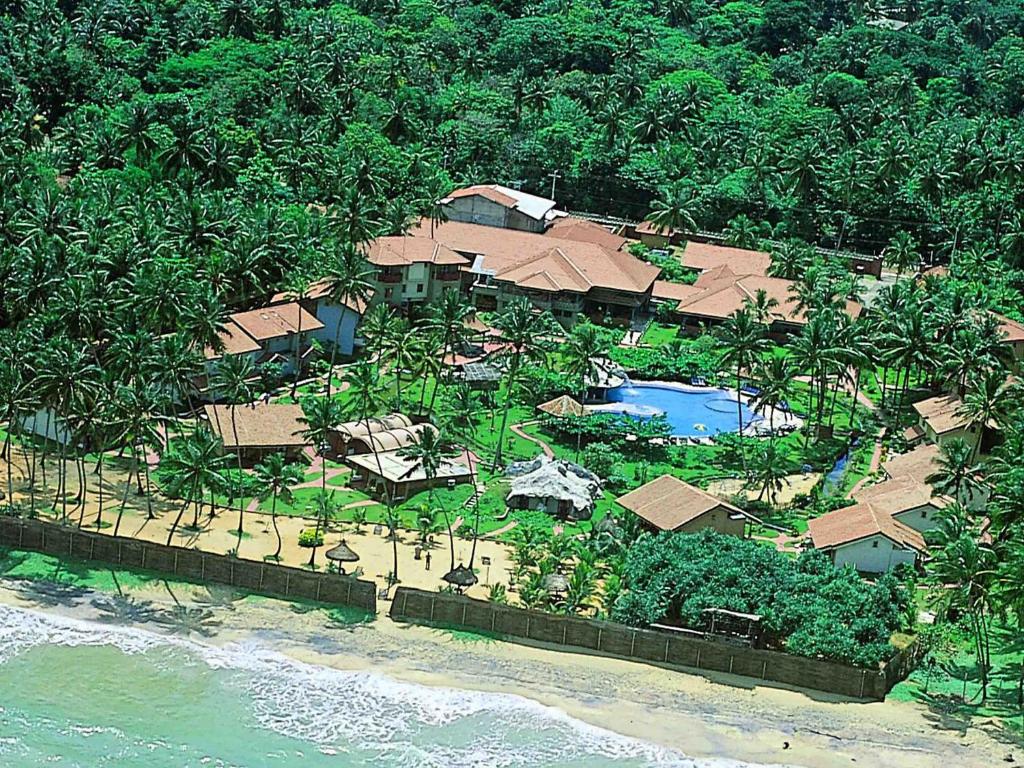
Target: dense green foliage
807,606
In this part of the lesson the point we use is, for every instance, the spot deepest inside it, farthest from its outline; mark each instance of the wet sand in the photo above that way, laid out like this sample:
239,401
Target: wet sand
695,714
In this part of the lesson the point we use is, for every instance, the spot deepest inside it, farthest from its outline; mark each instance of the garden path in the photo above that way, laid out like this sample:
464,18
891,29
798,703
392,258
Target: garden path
518,429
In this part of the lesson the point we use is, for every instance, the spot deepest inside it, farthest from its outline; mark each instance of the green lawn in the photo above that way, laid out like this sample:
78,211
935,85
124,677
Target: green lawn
659,334
943,688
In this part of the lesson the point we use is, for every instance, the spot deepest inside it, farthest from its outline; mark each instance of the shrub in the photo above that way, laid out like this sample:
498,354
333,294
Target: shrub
808,607
311,537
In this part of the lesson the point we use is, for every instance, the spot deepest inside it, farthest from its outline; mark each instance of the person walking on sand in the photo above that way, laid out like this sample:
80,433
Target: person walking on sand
428,561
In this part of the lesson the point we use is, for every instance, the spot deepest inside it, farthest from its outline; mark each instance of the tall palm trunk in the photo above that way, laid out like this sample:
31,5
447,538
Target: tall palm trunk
334,349
437,380
277,532
513,369
238,456
177,520
99,494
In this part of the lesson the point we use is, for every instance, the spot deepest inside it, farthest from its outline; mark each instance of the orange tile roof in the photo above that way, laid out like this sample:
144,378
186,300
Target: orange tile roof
235,341
650,228
276,321
317,290
1014,331
487,191
668,503
722,292
918,464
673,291
861,521
398,251
583,231
258,425
543,262
705,256
894,497
941,413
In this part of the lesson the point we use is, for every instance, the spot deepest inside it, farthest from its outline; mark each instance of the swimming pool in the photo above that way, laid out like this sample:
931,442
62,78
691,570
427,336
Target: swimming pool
690,411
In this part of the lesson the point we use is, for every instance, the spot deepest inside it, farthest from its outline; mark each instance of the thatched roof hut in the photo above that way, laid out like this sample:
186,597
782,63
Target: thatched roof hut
558,487
562,407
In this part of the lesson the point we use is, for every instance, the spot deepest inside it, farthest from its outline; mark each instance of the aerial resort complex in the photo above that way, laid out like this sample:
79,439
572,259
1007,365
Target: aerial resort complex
362,364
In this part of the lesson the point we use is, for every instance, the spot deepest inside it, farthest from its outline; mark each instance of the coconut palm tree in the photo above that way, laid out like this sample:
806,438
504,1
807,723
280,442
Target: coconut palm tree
191,466
964,571
984,404
674,209
276,479
524,332
769,472
584,345
349,281
429,451
744,341
447,317
956,474
296,286
901,252
232,380
775,376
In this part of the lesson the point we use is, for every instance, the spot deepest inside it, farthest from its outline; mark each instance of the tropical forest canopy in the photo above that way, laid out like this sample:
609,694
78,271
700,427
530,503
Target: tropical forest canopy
199,131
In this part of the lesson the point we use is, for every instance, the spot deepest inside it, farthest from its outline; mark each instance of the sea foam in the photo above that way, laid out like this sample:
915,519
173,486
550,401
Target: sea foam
401,723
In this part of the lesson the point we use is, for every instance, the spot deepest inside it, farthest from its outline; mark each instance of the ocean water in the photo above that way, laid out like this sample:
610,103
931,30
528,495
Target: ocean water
86,695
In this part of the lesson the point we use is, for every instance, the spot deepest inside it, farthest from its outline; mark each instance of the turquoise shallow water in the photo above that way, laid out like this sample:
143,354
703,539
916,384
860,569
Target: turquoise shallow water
87,695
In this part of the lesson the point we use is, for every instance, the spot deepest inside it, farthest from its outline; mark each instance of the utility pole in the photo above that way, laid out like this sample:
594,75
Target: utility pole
555,176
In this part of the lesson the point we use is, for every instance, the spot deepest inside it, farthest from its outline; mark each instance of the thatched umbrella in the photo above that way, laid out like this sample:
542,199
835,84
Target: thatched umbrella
460,577
342,554
562,407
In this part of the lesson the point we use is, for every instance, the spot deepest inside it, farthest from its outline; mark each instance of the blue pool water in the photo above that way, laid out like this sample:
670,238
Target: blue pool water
690,411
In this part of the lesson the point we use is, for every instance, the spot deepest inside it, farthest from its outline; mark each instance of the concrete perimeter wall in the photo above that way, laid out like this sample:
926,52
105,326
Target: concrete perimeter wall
189,564
659,647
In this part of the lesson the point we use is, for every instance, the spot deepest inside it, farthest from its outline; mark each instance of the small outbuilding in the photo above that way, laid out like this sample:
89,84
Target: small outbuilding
389,473
343,434
908,501
389,439
670,504
254,430
560,488
870,540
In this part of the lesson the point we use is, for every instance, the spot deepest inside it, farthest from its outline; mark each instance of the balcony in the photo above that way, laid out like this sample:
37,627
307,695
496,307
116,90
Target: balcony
387,277
449,276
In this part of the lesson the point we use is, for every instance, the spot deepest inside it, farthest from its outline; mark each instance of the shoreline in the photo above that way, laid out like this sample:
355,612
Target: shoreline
689,713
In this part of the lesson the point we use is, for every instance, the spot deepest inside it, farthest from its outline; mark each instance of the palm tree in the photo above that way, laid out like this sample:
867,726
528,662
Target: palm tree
584,345
984,404
744,341
775,381
296,287
231,379
429,452
762,305
192,466
460,421
673,210
448,316
956,475
320,415
770,470
277,478
523,330
964,571
350,286
901,252
816,351
366,397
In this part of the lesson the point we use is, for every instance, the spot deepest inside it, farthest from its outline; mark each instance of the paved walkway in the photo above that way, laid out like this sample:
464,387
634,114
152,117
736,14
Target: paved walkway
518,429
876,462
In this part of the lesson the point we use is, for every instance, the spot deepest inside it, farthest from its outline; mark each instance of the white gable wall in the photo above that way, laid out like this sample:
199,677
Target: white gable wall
875,554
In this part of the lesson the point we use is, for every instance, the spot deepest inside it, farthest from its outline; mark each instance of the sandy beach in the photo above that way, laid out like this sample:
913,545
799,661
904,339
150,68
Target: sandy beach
695,714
